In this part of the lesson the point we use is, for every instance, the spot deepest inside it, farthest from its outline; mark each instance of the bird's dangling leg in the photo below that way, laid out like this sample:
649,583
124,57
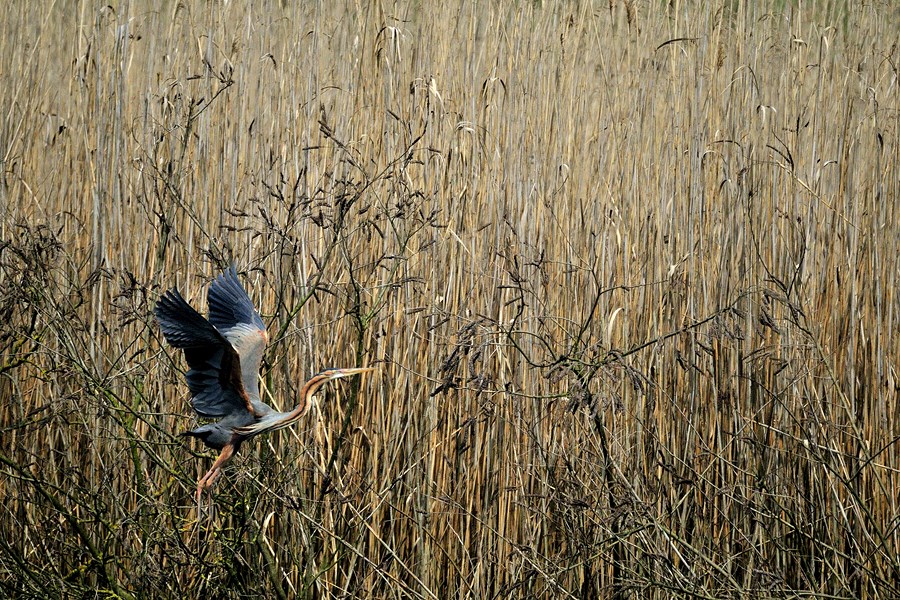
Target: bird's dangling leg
215,470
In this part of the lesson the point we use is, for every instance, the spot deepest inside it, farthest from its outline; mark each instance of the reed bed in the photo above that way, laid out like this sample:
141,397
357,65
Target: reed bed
628,270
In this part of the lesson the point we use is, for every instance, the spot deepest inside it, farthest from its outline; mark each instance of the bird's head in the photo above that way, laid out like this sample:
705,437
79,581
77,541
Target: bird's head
319,379
322,377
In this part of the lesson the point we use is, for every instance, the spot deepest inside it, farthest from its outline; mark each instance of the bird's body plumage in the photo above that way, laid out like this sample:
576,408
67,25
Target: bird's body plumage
224,353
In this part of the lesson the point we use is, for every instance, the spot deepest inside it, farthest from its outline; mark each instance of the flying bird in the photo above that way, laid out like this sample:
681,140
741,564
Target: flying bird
224,353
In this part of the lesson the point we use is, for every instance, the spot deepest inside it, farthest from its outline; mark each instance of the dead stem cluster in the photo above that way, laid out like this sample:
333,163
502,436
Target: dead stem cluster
628,269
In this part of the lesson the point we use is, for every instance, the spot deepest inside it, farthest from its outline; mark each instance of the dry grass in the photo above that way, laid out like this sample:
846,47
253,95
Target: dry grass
628,268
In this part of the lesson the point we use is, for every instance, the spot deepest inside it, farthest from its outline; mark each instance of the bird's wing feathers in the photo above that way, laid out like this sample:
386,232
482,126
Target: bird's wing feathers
229,304
232,312
215,378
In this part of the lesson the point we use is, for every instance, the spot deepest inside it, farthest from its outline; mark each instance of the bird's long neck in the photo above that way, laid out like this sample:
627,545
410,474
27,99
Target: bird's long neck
306,392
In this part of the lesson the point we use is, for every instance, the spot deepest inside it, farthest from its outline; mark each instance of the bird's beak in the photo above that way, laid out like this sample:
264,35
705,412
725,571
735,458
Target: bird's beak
338,373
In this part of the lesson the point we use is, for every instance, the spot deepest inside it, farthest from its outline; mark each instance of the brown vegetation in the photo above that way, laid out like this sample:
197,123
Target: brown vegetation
628,270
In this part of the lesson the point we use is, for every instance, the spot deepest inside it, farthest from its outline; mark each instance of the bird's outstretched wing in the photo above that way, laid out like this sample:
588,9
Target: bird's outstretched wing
232,312
215,378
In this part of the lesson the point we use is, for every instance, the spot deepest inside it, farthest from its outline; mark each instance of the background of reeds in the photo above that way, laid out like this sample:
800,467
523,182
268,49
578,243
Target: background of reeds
628,269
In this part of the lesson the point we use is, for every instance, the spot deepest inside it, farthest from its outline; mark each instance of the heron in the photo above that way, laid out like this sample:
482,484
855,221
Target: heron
224,352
